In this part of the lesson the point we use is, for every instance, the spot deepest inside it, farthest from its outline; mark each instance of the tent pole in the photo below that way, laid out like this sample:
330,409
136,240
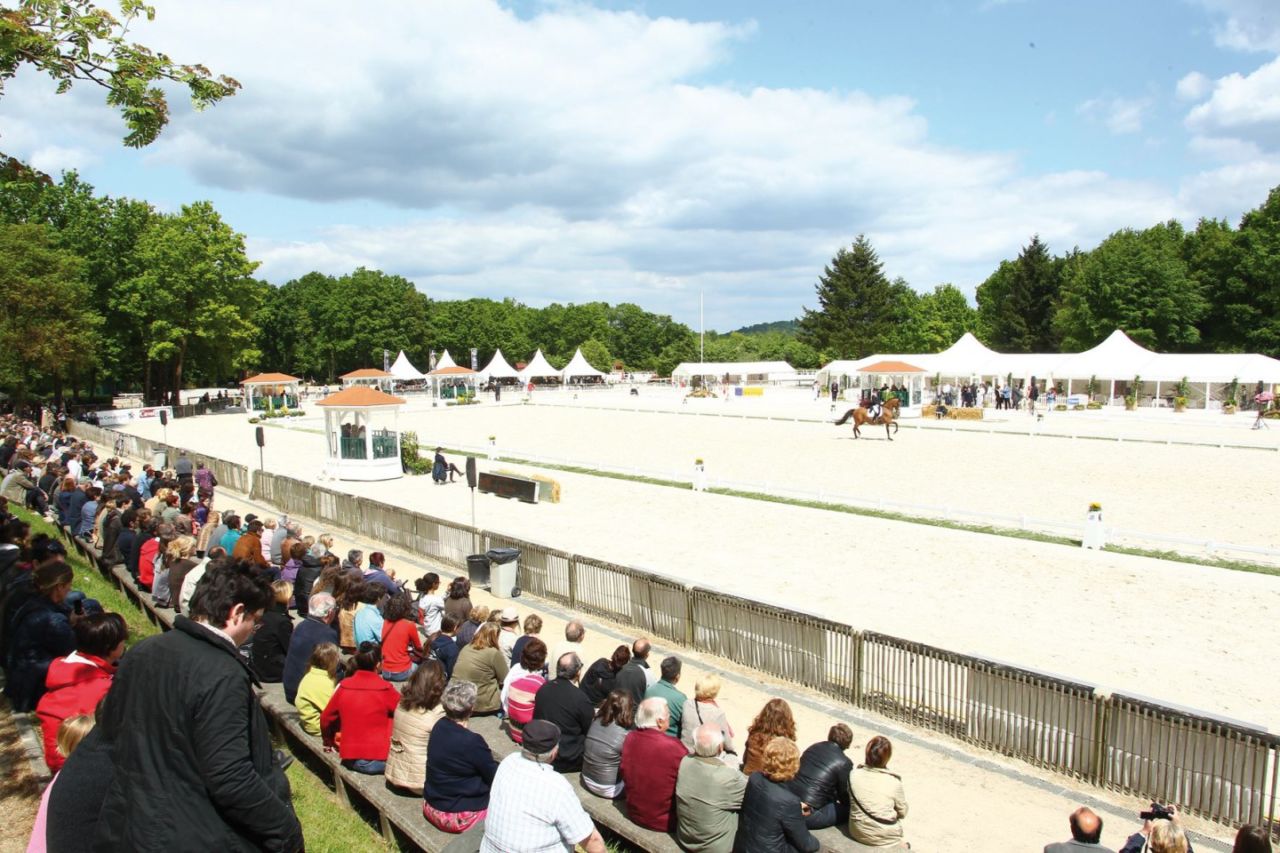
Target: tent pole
1157,396
1111,394
1206,395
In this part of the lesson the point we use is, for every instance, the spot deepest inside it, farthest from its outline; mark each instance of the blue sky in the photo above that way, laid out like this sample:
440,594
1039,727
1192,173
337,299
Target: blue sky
650,152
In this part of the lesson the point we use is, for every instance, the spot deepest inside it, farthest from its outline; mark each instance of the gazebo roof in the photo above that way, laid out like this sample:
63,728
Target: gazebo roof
270,379
453,370
891,367
360,396
368,373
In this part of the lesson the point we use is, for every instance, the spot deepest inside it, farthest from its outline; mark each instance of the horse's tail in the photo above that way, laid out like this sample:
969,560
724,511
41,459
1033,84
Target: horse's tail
845,419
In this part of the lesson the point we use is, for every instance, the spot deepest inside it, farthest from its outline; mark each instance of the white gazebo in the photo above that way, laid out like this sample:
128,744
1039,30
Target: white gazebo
363,441
404,371
369,376
270,390
498,369
580,369
446,380
538,368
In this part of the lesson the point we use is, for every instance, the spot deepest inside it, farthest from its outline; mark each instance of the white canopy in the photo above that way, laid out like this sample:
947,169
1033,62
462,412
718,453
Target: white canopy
578,366
404,370
1117,357
961,358
538,368
497,368
445,360
761,370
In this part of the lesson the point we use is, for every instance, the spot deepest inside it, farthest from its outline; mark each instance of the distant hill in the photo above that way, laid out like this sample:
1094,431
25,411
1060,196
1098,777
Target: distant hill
787,327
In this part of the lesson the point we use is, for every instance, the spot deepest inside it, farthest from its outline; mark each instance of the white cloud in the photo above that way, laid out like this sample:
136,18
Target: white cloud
1245,106
1194,86
1119,115
1246,25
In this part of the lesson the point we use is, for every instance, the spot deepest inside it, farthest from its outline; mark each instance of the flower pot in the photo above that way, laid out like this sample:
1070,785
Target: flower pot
1228,409
1130,405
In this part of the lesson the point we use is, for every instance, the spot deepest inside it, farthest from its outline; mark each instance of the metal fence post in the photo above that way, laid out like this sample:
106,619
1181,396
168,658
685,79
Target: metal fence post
573,580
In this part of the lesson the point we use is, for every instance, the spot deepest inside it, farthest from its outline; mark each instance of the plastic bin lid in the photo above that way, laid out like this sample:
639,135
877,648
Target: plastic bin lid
503,555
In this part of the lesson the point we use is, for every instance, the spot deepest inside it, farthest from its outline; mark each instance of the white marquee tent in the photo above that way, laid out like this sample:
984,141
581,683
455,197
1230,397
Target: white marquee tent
497,368
579,368
445,360
538,368
404,371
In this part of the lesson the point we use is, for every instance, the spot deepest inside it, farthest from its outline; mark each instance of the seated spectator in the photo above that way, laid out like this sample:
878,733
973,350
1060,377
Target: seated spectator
70,732
649,767
77,682
602,750
509,626
468,628
317,628
181,556
774,720
666,690
772,818
532,626
367,625
521,686
1252,839
562,702
443,646
458,602
460,767
602,675
702,709
418,712
1169,841
481,663
192,580
349,593
574,632
376,573
308,573
636,677
271,642
39,631
822,782
232,536
1086,834
361,709
430,603
293,562
401,645
317,686
248,547
877,802
708,795
149,551
531,807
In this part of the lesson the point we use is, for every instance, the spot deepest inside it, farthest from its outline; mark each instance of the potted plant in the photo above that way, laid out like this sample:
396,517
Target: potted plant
1180,401
1092,387
1131,396
1230,399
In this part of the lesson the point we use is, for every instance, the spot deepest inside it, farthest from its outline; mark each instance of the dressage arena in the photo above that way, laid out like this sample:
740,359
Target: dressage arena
1195,636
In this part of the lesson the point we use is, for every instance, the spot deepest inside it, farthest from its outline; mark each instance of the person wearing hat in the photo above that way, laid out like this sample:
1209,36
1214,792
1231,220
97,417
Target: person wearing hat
531,806
510,623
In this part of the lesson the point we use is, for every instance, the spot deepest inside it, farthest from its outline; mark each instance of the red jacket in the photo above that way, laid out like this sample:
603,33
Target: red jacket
361,708
73,686
147,561
397,638
650,763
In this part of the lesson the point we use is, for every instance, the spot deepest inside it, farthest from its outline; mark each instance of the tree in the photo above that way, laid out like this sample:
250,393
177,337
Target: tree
1136,281
937,320
1214,260
597,355
857,305
47,327
1016,305
75,41
1259,272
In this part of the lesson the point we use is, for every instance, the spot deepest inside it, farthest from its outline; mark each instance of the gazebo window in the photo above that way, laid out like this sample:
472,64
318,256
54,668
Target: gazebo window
385,445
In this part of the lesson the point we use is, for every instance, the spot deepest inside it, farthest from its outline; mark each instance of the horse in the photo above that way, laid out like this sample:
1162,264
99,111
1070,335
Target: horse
888,416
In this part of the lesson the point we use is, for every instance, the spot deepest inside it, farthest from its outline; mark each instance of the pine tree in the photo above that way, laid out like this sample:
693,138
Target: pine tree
857,305
1017,303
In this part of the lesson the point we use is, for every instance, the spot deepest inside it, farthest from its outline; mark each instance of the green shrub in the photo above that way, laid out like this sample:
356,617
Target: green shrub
1061,407
410,460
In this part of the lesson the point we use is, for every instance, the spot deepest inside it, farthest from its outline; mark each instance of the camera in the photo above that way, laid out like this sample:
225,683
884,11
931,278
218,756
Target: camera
1157,812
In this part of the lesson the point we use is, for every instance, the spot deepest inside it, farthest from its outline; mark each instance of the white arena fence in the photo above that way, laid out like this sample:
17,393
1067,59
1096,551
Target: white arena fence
1215,768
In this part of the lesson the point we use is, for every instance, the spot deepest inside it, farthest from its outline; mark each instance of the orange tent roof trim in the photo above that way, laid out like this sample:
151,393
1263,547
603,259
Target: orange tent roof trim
270,379
367,373
891,367
450,371
360,395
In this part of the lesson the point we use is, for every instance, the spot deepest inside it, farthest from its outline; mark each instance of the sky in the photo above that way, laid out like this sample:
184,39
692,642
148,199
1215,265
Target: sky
663,152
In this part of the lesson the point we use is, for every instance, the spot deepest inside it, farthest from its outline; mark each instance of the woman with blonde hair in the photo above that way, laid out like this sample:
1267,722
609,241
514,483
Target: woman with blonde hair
70,733
317,686
203,543
1166,837
482,663
180,557
877,803
774,720
772,817
702,708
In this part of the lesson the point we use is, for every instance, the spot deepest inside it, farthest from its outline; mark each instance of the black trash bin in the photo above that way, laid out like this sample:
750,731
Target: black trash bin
478,570
505,564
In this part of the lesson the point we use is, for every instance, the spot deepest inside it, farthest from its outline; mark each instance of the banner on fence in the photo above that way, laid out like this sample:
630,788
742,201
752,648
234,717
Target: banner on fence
115,417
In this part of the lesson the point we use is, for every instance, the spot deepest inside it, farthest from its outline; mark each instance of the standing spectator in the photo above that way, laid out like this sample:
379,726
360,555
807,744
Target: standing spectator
602,750
877,802
271,643
666,690
574,632
317,628
205,482
562,702
460,767
458,604
1086,834
418,712
212,776
603,674
481,663
362,709
521,686
649,768
183,468
532,627
822,782
443,647
708,795
401,645
317,686
430,602
534,808
634,677
40,630
774,720
77,682
772,816
702,709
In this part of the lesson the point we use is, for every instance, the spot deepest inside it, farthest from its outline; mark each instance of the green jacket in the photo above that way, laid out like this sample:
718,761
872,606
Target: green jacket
675,701
708,796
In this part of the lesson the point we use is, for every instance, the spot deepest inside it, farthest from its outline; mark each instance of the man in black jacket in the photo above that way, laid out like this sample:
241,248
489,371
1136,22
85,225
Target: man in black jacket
822,782
194,768
562,702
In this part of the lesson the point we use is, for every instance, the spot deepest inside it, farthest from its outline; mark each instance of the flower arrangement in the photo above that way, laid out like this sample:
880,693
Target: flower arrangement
1095,507
698,461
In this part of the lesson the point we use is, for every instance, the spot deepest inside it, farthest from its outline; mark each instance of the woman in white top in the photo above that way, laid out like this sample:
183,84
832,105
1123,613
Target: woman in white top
430,602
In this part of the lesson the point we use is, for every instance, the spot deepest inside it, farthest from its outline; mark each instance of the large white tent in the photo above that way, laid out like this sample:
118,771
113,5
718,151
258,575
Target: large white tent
445,360
737,371
404,371
538,368
579,368
497,368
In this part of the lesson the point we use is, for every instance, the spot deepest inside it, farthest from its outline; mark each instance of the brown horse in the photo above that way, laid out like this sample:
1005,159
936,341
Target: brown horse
861,417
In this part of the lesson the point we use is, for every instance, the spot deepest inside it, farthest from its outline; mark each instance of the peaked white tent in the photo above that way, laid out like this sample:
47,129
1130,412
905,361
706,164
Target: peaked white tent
579,367
404,371
961,359
445,360
497,368
538,368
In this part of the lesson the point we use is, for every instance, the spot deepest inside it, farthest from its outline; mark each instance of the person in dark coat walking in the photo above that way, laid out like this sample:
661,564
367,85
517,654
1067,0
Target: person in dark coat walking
271,642
211,781
562,702
771,819
822,782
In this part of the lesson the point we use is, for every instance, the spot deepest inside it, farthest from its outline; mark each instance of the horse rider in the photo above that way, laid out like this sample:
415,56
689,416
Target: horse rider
876,407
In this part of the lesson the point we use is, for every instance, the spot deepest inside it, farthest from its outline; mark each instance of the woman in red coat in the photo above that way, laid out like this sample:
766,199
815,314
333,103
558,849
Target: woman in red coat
359,716
76,683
